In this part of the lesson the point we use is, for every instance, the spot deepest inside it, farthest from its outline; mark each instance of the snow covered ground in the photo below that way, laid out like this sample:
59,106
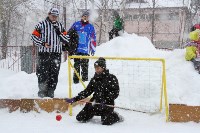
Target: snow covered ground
182,85
133,123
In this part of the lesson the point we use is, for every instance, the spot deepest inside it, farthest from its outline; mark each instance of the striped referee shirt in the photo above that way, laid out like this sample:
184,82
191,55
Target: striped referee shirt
46,33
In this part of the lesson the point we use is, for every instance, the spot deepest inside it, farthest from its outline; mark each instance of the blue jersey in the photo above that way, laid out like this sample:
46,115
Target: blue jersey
87,37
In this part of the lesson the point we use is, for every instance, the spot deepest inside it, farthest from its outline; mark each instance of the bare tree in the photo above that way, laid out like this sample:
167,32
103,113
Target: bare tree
103,8
138,19
8,11
194,8
105,22
103,4
153,21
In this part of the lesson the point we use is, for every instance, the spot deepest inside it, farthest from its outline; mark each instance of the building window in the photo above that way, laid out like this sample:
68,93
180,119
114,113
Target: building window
135,17
173,16
135,1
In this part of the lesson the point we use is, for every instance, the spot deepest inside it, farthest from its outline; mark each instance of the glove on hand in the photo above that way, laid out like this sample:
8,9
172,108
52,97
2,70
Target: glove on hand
70,100
92,53
55,25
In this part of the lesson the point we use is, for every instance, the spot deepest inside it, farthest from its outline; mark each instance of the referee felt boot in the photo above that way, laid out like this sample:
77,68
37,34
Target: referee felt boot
42,94
50,94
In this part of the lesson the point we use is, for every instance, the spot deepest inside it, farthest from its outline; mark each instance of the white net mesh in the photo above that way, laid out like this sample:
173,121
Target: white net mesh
140,83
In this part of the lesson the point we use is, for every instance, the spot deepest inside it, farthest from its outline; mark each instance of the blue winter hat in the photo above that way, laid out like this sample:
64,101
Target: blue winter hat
54,12
86,13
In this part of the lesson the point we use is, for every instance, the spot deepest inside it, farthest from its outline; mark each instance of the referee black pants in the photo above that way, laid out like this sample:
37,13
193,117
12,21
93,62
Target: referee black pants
47,71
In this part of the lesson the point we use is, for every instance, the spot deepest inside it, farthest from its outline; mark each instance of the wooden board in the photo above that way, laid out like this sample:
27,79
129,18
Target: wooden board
38,105
50,105
184,113
12,105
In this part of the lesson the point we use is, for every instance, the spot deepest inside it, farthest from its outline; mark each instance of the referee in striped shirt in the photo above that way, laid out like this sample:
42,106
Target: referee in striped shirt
49,36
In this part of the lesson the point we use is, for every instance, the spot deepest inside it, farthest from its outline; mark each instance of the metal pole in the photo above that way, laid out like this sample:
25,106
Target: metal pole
153,22
65,14
70,85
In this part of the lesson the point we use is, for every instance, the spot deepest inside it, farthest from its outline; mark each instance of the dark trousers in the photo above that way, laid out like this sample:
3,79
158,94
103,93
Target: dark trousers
114,31
47,71
81,66
108,116
196,65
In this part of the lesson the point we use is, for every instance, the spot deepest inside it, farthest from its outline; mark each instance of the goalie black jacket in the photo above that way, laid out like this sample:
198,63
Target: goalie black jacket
104,86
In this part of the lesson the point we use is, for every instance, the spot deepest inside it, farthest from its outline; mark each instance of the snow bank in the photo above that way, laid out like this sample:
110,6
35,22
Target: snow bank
182,80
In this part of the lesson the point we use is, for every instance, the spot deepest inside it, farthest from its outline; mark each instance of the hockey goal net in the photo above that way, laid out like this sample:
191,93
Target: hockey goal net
142,82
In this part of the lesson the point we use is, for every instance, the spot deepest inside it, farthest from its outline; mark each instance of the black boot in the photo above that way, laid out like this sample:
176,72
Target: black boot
111,118
42,90
110,36
76,81
50,94
42,94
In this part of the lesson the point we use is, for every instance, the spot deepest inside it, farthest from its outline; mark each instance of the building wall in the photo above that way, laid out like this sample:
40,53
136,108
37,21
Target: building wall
170,25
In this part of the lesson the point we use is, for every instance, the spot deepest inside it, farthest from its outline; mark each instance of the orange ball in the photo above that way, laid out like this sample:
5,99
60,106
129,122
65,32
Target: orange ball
58,117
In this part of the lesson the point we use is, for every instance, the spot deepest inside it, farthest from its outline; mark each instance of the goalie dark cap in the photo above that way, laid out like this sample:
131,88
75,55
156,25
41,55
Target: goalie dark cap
101,62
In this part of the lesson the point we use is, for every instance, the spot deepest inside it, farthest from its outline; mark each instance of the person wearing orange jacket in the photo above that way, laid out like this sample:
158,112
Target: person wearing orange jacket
49,36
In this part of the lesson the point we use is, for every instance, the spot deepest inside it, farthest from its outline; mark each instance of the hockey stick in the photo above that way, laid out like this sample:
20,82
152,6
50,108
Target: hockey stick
123,108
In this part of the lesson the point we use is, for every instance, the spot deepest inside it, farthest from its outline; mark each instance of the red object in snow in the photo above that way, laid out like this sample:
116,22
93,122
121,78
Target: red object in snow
58,117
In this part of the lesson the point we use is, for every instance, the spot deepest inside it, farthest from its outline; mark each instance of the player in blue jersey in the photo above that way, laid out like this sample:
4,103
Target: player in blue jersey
86,45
